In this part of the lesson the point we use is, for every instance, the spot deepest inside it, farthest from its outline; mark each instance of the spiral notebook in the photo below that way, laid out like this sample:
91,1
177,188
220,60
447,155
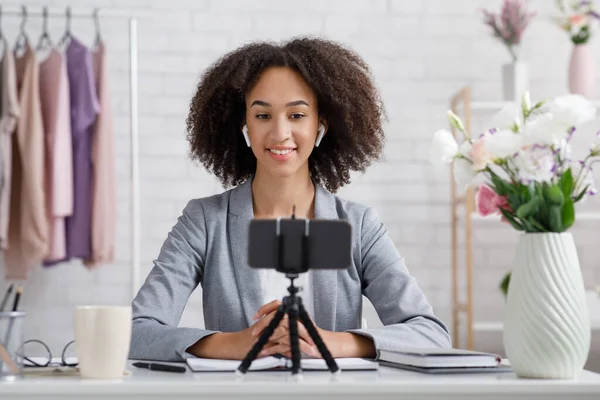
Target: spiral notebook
278,364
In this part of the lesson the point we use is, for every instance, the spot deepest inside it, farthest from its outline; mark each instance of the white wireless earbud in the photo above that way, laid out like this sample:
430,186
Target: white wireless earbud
321,134
245,133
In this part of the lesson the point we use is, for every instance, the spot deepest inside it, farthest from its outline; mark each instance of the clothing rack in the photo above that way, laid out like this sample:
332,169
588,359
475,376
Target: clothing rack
132,16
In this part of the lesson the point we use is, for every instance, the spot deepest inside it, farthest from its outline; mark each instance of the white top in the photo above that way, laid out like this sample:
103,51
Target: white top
275,285
384,383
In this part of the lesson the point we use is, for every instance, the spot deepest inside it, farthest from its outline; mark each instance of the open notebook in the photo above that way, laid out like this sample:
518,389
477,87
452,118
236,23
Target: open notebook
275,364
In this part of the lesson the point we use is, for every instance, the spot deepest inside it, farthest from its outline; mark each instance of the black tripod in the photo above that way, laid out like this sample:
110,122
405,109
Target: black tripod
292,306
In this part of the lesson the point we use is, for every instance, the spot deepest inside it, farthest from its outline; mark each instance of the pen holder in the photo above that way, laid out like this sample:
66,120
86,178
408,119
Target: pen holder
11,345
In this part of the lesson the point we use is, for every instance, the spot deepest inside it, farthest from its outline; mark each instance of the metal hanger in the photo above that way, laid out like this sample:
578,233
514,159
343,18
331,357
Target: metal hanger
67,36
22,38
45,41
97,24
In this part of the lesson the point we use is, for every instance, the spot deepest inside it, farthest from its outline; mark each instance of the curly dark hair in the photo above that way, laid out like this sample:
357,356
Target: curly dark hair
346,98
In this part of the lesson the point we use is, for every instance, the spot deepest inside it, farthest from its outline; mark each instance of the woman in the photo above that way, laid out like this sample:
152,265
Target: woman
285,125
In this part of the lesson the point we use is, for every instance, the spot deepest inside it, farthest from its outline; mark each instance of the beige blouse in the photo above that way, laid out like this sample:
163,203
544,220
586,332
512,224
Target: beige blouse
55,106
28,225
9,112
104,195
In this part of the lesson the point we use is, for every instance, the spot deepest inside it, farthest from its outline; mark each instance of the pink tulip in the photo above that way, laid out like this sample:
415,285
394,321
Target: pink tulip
489,202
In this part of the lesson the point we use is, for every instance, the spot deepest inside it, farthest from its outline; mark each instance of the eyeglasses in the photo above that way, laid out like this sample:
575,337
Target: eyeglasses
37,354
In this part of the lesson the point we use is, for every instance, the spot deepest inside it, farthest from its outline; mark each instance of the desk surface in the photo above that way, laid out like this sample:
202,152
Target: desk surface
384,383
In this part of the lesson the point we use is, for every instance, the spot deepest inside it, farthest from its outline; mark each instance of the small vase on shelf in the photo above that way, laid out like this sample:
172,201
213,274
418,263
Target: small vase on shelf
582,74
515,80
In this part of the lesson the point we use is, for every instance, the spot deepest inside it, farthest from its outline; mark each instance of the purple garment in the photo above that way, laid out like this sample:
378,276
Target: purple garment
85,107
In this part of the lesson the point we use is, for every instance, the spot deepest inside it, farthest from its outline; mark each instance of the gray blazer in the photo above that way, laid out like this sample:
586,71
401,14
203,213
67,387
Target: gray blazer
208,246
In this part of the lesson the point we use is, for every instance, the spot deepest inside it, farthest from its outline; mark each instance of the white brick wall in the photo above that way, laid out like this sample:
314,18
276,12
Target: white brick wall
421,52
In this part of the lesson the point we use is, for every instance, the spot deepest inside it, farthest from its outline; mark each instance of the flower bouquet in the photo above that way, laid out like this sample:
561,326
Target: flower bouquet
523,162
525,172
509,26
578,18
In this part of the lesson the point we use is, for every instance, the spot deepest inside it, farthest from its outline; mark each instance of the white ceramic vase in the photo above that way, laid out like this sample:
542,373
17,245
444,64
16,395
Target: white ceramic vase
546,324
582,73
515,80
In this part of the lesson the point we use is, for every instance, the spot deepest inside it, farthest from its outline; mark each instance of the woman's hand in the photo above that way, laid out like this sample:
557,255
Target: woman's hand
235,345
279,342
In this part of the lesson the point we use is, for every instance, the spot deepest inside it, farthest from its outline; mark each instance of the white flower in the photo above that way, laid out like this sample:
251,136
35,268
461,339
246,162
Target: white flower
443,147
455,121
544,129
572,110
535,164
503,144
595,145
507,117
526,101
565,150
565,153
463,172
465,149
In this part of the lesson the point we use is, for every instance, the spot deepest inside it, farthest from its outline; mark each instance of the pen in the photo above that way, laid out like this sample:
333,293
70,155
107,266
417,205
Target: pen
6,296
17,298
159,367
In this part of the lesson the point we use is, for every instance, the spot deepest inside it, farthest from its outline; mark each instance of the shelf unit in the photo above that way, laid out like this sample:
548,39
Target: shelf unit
463,211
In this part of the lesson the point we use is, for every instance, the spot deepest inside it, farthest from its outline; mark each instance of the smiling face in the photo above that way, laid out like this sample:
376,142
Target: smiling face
282,120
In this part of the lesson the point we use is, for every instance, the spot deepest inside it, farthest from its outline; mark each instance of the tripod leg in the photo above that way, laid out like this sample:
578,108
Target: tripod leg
293,324
314,334
262,340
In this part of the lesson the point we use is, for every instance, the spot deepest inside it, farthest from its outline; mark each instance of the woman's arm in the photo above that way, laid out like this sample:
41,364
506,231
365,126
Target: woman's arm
406,314
158,306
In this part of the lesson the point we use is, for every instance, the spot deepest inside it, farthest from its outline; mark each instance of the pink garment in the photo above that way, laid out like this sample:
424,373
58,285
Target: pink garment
55,105
104,193
10,111
28,225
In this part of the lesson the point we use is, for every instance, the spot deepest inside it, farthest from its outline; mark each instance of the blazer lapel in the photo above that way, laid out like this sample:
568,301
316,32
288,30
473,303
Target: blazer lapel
325,280
248,279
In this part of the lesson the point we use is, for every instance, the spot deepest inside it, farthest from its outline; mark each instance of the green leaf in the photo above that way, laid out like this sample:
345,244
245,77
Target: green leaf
537,225
554,196
555,219
502,187
504,284
566,182
515,201
527,225
528,208
568,215
511,219
580,195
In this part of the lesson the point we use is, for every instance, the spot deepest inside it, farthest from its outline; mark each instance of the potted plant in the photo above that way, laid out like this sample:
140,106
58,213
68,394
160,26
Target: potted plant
579,19
525,172
508,27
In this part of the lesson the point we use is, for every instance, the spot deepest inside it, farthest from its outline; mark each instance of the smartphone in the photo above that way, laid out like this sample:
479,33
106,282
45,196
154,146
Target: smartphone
297,245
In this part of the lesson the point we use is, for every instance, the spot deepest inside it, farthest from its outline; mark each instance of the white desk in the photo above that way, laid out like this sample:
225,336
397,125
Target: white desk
387,383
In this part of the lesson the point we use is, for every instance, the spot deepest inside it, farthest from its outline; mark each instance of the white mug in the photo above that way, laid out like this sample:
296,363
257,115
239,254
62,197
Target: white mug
102,338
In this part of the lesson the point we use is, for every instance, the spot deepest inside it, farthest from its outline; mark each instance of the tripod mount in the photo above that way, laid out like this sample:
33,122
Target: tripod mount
292,247
291,306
